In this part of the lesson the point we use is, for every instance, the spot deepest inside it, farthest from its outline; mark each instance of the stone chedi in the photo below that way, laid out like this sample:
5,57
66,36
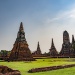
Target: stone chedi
66,50
53,51
38,51
20,49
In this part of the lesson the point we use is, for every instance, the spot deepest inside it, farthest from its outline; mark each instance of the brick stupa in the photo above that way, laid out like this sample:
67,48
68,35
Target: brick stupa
20,49
37,53
53,51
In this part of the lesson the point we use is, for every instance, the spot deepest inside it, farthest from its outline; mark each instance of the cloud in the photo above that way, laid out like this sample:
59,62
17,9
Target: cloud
69,14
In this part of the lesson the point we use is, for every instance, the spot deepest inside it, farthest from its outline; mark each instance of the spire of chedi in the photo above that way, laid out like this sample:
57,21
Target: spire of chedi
20,49
53,51
38,49
21,27
66,37
52,45
21,34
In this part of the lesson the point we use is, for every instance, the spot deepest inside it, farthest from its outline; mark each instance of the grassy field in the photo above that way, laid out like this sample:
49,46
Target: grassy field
24,66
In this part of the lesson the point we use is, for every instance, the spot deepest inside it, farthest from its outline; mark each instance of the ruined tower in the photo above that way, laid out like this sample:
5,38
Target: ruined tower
37,53
53,51
38,49
20,50
66,46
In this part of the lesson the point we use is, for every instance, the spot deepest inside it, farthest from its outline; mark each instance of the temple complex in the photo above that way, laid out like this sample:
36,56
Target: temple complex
53,51
20,50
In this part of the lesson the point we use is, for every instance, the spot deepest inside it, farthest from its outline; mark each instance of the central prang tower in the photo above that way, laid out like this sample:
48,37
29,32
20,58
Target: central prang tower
66,46
20,49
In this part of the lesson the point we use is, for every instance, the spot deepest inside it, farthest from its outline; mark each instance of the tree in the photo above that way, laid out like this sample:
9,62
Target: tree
4,53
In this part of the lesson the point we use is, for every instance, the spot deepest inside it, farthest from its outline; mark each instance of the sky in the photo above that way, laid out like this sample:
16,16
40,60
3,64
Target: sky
42,21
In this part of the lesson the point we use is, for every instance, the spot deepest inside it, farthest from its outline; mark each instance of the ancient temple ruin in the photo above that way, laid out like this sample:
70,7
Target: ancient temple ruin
53,51
66,46
38,52
20,50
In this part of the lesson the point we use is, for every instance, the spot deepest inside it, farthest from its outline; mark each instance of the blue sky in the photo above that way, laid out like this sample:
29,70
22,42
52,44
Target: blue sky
42,19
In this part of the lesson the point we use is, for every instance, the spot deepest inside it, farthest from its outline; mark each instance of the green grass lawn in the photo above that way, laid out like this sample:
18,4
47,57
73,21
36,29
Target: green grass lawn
24,66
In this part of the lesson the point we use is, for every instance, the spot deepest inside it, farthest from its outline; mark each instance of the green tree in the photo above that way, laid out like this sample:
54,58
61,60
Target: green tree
4,53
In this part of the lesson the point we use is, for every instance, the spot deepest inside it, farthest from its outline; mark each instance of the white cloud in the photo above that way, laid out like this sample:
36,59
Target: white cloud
69,14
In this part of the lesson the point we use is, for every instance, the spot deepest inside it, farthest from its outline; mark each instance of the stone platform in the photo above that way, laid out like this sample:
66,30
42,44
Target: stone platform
4,70
42,69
